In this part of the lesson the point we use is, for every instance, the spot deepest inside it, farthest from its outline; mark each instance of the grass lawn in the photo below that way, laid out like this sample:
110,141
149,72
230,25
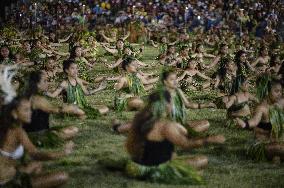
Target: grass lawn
228,165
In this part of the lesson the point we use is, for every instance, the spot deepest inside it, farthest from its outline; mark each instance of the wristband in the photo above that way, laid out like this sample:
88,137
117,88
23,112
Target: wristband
199,106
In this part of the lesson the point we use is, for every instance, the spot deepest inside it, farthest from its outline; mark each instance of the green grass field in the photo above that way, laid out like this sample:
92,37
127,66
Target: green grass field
228,165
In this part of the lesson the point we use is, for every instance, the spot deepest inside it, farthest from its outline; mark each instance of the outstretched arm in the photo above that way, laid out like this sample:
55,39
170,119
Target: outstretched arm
102,86
176,135
116,64
112,51
182,76
209,55
35,153
140,63
154,44
147,81
64,40
192,105
55,94
203,76
109,40
126,36
214,63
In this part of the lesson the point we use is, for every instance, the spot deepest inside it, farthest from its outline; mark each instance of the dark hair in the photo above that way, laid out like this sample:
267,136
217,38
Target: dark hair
168,48
33,80
261,49
73,52
273,60
222,46
6,118
67,63
34,42
165,74
198,46
238,56
142,124
272,83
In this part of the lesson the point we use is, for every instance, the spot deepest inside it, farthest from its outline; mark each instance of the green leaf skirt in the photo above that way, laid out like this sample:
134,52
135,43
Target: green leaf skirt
175,172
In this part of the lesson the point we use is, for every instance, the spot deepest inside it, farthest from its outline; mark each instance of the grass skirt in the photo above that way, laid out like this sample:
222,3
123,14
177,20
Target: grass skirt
256,151
120,103
173,172
48,138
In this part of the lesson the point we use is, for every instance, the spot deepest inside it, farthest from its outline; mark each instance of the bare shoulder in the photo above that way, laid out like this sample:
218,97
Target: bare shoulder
169,127
17,131
38,98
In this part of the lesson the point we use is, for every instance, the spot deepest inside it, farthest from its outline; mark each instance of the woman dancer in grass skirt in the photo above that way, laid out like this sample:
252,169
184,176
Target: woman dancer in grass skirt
151,142
14,144
267,122
39,130
75,91
131,86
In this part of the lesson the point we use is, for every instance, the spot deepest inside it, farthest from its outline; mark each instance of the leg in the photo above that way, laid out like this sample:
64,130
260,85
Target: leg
197,162
135,104
275,150
199,125
50,180
31,168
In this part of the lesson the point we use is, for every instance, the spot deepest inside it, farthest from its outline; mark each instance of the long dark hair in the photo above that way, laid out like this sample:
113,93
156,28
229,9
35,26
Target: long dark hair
67,63
6,118
33,80
168,48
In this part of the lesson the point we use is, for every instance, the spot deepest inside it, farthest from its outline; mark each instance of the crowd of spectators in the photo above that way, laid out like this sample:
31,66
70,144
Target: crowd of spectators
253,16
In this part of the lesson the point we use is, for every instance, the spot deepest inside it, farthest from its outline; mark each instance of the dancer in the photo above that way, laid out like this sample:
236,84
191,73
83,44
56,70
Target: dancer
130,86
39,129
267,123
15,143
151,142
75,90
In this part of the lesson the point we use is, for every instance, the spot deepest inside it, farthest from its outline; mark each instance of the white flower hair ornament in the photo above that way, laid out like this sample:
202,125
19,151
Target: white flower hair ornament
6,75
